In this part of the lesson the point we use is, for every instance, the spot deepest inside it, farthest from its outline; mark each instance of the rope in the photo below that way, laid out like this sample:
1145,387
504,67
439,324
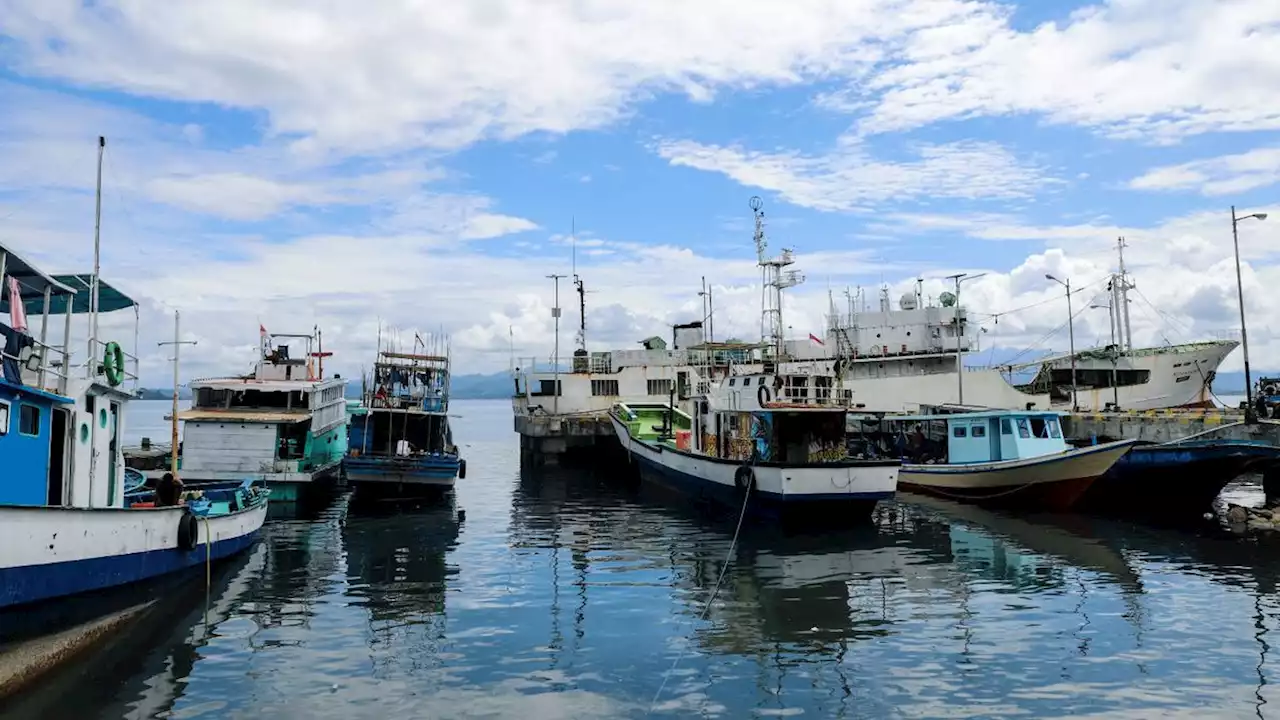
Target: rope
746,496
1042,302
208,556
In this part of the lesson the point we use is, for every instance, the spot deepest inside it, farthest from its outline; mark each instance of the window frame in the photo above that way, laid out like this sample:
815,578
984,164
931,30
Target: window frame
36,408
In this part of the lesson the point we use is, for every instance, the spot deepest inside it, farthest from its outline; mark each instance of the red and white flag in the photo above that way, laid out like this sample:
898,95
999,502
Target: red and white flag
815,339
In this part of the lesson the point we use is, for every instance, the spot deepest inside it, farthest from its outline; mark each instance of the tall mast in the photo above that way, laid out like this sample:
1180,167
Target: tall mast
775,280
1122,293
177,344
90,368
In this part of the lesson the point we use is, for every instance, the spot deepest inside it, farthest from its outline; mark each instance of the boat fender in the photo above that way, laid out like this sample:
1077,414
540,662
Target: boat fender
188,531
462,469
763,395
113,364
745,478
1269,390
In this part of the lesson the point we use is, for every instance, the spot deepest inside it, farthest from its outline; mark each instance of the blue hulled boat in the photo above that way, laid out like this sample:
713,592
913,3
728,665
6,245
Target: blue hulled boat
1176,478
400,441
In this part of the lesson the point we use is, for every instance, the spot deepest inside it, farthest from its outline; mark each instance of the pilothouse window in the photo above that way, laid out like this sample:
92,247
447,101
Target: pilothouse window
29,420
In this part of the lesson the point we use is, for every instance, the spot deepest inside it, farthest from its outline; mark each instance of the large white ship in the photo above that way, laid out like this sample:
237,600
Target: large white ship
886,360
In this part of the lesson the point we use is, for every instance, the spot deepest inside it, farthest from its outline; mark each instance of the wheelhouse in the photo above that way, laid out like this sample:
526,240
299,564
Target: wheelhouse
978,437
60,419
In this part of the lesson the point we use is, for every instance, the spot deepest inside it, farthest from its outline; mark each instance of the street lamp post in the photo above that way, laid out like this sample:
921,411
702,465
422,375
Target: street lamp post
960,278
1115,355
1250,415
555,313
1071,334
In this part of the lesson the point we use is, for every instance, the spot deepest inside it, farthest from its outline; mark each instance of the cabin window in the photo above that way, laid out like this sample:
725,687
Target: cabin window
960,431
1023,432
1006,427
1055,430
604,387
1039,428
731,381
29,420
4,418
659,387
547,388
760,381
979,431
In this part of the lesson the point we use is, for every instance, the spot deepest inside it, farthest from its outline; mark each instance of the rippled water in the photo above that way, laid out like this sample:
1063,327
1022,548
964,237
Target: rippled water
563,595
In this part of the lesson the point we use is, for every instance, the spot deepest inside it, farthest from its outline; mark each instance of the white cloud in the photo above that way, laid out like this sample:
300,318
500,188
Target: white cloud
349,75
850,178
1129,68
1225,175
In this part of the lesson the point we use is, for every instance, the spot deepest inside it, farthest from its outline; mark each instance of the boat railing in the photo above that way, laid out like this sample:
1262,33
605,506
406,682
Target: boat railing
40,363
100,351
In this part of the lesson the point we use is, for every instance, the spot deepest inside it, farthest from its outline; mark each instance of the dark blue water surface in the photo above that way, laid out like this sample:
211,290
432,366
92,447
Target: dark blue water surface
562,594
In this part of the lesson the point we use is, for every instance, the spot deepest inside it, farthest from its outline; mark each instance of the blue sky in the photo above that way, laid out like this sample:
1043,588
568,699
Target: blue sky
347,165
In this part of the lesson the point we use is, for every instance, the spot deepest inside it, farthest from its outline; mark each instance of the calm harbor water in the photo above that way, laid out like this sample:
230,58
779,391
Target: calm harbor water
564,595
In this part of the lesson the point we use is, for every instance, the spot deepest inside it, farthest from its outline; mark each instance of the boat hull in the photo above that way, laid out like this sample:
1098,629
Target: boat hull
437,472
846,491
1178,479
53,552
1054,482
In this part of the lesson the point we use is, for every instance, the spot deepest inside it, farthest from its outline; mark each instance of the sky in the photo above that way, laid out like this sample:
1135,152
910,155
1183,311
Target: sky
426,166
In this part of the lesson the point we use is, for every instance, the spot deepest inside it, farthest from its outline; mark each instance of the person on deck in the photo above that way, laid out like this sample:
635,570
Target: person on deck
168,490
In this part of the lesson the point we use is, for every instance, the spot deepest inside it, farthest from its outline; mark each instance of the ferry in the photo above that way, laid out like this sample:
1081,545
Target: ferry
284,424
67,523
400,438
1001,457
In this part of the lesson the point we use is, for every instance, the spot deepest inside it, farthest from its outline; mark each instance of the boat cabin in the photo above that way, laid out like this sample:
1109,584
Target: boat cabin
61,420
405,408
284,417
978,437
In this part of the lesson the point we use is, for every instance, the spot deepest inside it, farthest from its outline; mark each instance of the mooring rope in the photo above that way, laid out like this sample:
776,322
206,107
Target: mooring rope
746,497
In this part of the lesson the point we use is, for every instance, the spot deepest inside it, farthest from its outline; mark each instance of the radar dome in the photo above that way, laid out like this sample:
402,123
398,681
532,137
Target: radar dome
907,301
948,300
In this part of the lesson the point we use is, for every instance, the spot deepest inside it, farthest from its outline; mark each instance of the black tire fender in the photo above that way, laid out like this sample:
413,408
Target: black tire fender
462,469
763,396
188,531
744,479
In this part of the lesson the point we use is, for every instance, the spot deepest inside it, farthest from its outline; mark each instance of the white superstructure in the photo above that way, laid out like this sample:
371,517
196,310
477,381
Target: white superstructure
284,423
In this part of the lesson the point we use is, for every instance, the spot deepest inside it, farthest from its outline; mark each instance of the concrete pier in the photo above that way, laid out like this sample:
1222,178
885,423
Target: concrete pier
549,439
1166,425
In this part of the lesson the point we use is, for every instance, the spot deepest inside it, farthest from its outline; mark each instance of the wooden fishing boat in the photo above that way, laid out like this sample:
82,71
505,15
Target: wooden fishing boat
400,440
736,444
1000,457
1176,479
71,519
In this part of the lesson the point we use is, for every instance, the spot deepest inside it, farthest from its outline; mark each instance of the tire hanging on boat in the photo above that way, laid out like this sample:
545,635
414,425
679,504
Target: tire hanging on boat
462,469
763,395
744,479
188,531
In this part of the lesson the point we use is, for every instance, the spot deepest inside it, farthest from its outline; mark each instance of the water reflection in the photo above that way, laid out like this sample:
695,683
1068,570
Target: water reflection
567,594
397,572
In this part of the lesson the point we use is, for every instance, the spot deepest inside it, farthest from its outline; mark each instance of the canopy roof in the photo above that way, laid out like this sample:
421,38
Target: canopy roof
31,279
66,291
